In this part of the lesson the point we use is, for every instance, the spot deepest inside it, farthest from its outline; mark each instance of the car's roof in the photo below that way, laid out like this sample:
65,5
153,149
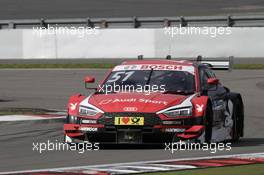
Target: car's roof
171,62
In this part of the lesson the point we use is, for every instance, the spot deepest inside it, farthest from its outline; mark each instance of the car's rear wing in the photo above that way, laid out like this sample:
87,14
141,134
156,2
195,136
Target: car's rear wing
217,63
213,63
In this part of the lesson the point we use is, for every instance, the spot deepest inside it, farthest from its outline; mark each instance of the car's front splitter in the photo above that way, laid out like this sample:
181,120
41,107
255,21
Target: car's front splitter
136,134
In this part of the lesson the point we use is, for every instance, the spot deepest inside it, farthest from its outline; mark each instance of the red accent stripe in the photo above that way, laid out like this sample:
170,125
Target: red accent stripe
198,164
187,136
219,162
232,161
255,160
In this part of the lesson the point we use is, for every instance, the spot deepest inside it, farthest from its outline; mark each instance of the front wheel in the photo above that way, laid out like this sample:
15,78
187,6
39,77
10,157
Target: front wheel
237,116
208,122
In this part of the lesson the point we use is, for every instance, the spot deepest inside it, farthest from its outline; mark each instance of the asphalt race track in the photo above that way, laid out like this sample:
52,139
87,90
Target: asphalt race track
50,89
28,9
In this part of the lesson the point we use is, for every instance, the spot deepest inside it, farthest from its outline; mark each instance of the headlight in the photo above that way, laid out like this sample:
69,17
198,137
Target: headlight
186,111
87,111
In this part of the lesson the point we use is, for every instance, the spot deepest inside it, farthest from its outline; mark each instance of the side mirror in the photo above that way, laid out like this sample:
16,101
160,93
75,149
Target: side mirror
88,80
212,81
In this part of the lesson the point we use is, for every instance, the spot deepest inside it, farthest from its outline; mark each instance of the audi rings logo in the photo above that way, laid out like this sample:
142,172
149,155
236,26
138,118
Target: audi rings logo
131,109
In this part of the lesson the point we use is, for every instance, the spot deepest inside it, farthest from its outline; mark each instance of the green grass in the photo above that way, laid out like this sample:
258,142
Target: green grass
256,169
97,66
8,113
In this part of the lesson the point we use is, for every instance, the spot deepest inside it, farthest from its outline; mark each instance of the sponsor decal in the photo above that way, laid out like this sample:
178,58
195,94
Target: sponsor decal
174,130
199,108
88,129
73,106
189,69
104,102
141,100
161,67
129,120
130,67
173,122
130,109
89,121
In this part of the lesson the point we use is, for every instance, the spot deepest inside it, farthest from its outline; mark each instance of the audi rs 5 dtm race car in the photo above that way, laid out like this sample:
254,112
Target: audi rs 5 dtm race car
156,101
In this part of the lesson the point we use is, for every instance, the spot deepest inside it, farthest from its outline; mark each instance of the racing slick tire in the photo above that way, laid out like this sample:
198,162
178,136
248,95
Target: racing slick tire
68,139
238,118
208,122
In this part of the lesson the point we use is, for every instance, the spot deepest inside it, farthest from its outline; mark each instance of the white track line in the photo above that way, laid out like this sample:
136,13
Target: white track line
9,118
96,167
115,170
174,166
144,167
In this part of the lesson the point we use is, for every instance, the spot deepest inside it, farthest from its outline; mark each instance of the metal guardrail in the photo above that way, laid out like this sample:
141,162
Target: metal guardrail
139,22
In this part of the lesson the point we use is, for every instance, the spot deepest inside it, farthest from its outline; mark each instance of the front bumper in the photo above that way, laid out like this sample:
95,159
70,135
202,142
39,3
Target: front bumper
154,131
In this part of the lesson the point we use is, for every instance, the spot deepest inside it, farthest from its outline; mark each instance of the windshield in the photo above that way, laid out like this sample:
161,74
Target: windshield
162,80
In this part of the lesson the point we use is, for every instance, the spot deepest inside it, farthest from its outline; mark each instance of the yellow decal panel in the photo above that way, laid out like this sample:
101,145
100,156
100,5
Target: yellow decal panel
138,121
